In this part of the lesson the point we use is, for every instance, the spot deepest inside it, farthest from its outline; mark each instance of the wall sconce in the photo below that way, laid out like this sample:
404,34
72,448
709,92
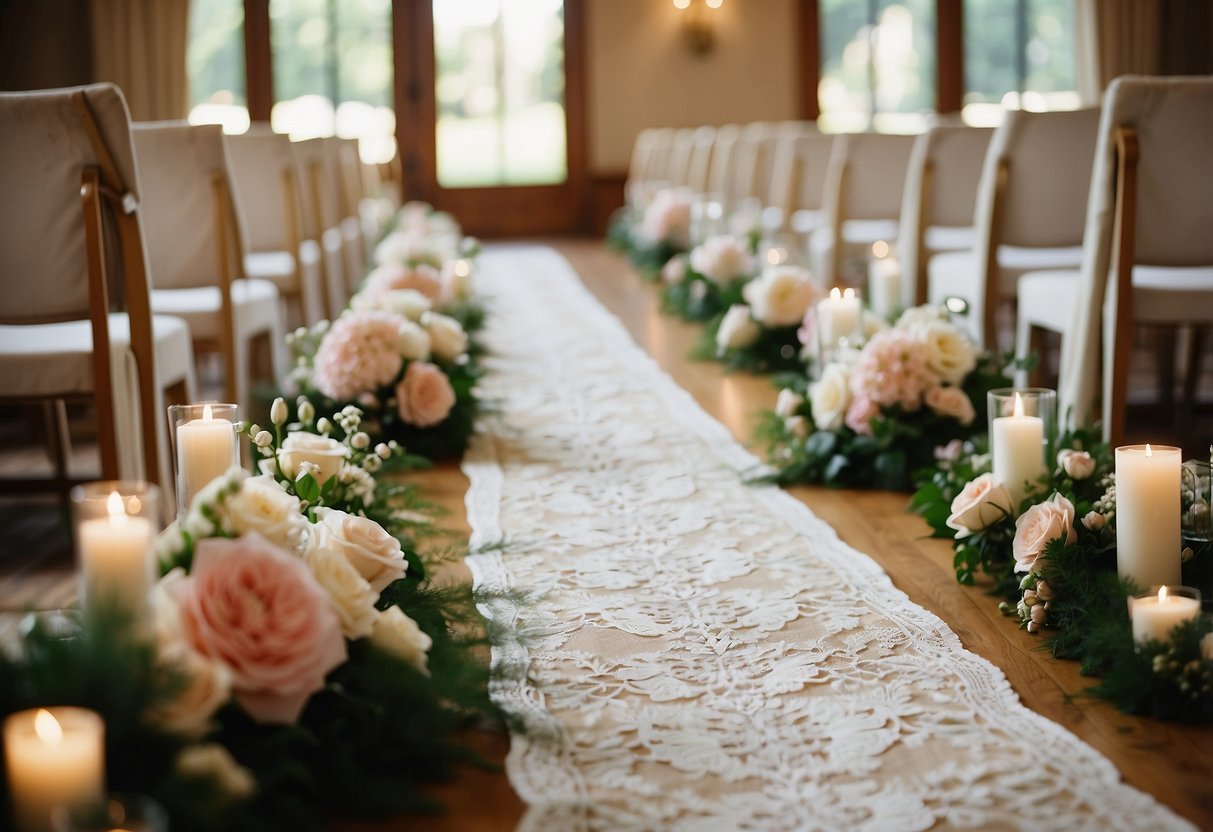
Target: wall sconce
697,24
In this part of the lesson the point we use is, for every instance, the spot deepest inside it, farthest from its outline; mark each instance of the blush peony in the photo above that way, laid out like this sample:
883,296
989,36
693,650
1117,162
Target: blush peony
359,354
260,612
424,396
721,259
892,369
667,218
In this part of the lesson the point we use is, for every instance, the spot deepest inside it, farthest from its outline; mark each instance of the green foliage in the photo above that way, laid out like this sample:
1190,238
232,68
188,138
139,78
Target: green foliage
776,350
697,299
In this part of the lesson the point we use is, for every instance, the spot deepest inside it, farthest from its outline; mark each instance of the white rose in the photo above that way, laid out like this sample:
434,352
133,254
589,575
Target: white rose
447,338
952,403
787,403
351,594
214,763
456,280
737,329
326,453
414,343
921,315
830,396
399,635
781,295
407,303
1078,465
721,259
400,247
951,355
980,504
371,550
263,506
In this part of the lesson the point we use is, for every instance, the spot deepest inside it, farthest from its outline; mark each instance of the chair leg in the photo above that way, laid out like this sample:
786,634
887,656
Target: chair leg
58,443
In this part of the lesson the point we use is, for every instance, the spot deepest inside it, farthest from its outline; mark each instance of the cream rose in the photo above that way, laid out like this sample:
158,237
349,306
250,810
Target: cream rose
737,329
1078,465
215,764
980,504
830,396
781,295
951,355
424,397
262,506
721,259
407,303
326,453
414,341
351,594
399,635
787,403
675,269
951,403
374,553
1036,527
447,338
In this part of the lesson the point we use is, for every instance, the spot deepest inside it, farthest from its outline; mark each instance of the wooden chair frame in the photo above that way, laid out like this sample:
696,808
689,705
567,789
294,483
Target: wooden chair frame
1124,254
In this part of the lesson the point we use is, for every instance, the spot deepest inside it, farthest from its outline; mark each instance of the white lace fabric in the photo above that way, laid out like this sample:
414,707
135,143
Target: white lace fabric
699,654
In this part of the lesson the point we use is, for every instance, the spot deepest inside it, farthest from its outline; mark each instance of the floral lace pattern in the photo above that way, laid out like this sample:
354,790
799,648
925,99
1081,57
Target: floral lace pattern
699,654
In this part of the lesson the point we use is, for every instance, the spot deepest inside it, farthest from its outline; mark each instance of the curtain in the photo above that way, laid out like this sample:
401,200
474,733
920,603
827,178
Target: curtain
140,46
1113,38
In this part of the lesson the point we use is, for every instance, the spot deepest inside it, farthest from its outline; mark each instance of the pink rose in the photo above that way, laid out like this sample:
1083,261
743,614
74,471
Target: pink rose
861,413
675,269
424,396
979,505
1078,465
951,402
1043,522
393,277
260,612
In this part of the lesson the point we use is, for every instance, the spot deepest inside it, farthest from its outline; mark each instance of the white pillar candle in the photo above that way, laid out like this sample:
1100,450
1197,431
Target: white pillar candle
1155,616
1017,448
1148,514
115,556
884,281
206,448
55,757
838,316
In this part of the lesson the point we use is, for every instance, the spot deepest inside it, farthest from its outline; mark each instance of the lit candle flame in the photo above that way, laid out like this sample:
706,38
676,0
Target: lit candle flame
773,256
117,511
1149,450
835,293
1017,411
462,269
880,249
848,293
47,727
1162,595
206,412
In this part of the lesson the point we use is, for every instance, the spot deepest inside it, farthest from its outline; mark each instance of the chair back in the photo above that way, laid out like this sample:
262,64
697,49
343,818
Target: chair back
353,178
263,171
866,176
658,169
1172,224
755,151
724,160
798,169
189,216
681,149
640,164
941,190
321,210
701,159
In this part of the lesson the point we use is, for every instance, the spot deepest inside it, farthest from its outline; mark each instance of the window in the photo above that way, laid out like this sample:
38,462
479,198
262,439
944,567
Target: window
333,72
499,91
878,65
215,64
1019,54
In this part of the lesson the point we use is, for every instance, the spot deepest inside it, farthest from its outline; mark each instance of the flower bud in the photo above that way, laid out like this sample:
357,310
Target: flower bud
383,451
360,440
263,439
324,426
306,412
1093,521
278,412
1039,614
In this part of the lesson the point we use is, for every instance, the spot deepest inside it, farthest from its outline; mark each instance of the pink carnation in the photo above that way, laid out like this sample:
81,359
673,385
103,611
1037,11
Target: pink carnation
360,353
392,277
424,396
259,611
893,369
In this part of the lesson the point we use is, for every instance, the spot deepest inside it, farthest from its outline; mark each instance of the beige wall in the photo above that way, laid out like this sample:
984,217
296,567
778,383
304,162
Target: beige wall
641,74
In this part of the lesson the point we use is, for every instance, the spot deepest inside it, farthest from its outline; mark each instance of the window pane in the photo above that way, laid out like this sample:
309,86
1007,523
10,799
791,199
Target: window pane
333,72
878,67
215,63
500,92
1019,54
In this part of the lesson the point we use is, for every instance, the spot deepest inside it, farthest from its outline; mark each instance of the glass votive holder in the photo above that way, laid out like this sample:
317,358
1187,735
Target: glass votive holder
1155,614
884,281
117,812
839,322
707,217
204,447
1196,496
115,523
1022,423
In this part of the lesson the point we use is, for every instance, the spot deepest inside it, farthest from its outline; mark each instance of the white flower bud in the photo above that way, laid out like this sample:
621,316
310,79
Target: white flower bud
372,463
360,441
1093,521
324,426
383,451
263,439
278,412
306,412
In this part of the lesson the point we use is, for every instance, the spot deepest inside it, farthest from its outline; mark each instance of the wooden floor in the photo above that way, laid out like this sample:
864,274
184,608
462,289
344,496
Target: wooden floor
1174,763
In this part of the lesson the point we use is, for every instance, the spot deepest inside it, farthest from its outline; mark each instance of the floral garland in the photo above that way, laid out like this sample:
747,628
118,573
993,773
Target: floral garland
1052,560
299,663
875,415
652,230
402,352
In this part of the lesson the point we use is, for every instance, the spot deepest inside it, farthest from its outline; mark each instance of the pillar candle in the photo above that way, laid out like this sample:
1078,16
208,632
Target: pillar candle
55,757
115,556
206,448
1155,616
884,281
1017,448
1148,514
838,316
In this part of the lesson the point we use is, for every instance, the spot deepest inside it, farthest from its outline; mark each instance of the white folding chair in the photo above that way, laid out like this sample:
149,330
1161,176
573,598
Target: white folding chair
322,220
798,174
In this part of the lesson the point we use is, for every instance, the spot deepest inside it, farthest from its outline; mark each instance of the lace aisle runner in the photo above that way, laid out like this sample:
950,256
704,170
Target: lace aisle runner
698,654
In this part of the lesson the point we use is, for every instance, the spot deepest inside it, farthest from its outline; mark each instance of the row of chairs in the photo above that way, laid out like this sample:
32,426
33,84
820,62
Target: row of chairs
1018,222
129,248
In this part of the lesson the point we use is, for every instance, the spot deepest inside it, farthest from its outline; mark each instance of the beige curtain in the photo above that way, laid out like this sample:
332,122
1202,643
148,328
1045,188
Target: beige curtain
1113,38
140,46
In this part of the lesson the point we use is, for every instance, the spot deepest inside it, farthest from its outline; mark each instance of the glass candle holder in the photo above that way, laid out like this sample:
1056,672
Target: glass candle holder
1155,614
116,812
1022,426
204,447
884,281
707,217
839,322
1196,500
115,523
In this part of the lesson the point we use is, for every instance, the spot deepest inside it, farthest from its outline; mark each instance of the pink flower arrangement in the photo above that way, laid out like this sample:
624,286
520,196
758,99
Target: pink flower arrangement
893,369
360,353
424,396
667,218
259,611
391,277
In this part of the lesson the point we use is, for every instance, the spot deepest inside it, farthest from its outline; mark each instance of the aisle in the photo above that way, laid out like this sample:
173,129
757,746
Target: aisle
700,654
